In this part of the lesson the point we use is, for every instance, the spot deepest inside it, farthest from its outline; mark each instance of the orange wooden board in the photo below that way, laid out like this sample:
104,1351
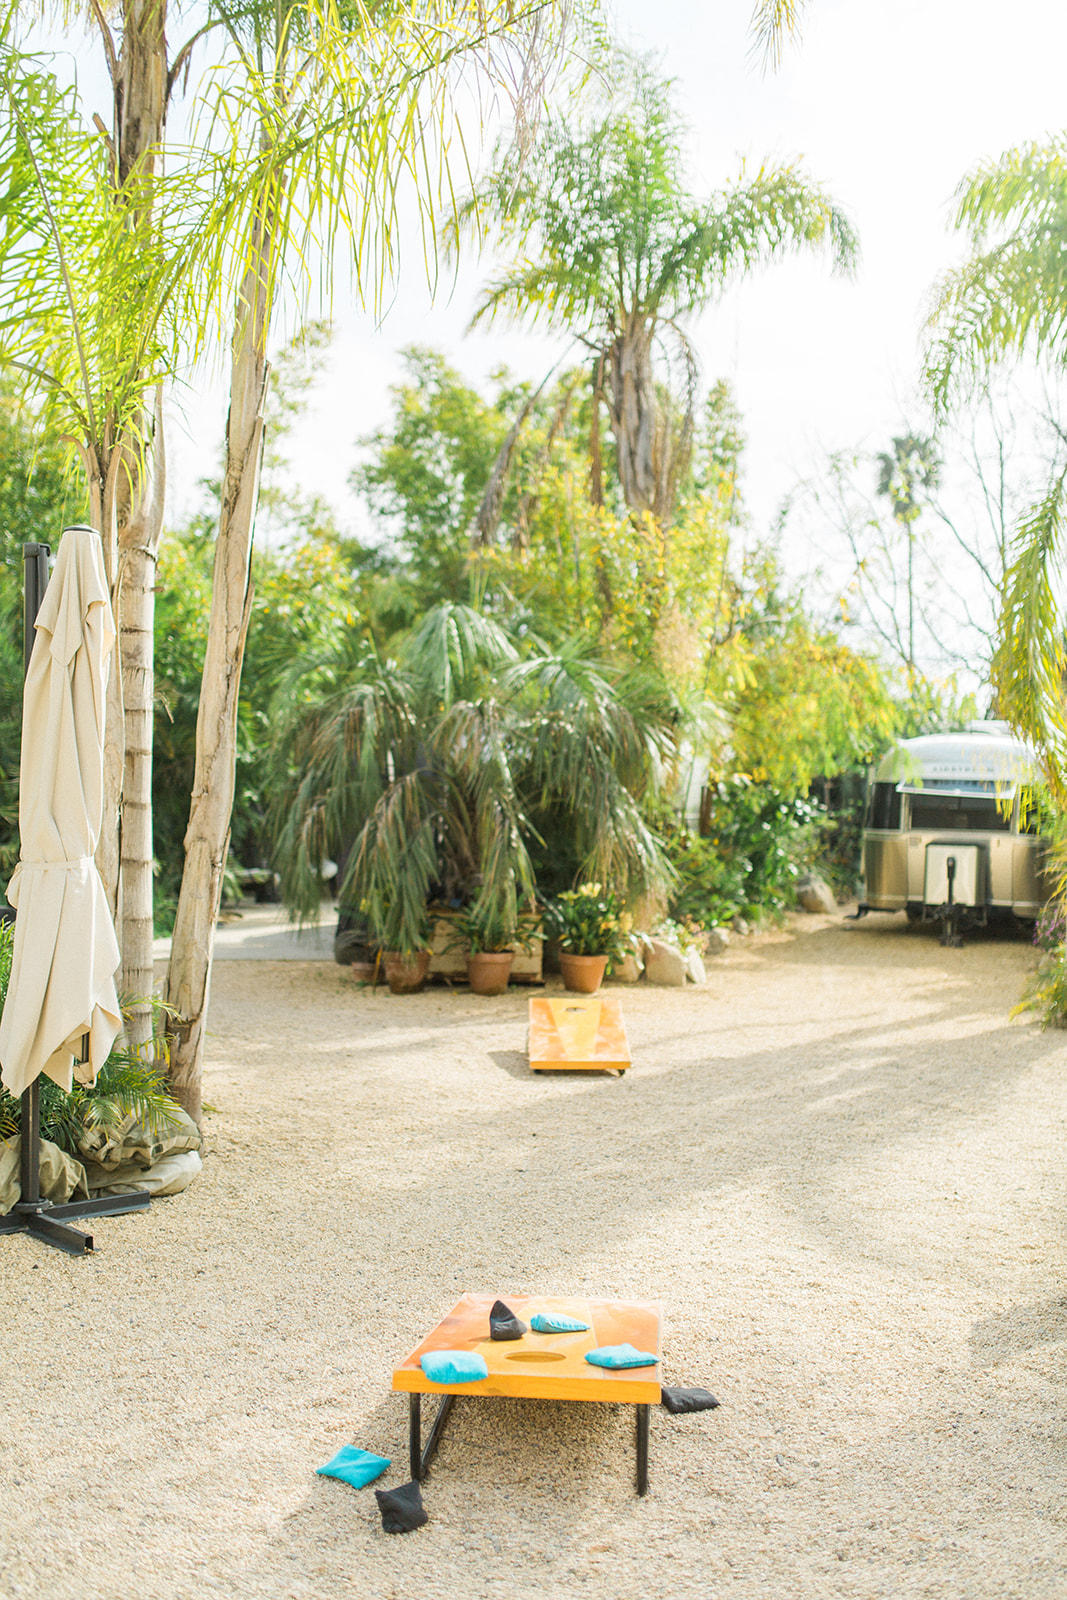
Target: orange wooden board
545,1366
578,1035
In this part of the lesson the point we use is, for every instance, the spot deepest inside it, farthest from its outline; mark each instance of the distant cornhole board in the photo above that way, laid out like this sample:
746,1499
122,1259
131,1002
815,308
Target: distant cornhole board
575,1034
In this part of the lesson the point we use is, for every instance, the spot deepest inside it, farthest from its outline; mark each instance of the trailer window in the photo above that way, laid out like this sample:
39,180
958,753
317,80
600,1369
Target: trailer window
956,812
884,806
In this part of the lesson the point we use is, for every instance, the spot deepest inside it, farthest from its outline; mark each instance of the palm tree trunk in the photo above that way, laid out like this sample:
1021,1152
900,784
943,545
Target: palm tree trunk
138,540
130,515
208,834
632,409
596,467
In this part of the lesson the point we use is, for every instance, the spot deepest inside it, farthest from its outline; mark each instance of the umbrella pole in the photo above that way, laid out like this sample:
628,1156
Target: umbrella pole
32,1214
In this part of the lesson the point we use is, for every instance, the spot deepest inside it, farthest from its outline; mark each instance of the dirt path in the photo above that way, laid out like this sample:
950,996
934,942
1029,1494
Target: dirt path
839,1167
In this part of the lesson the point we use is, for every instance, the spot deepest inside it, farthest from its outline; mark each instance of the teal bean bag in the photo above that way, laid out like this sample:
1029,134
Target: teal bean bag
620,1355
453,1366
353,1466
552,1322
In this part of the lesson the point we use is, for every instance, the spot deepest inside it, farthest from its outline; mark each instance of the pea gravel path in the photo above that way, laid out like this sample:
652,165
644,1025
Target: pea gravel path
839,1166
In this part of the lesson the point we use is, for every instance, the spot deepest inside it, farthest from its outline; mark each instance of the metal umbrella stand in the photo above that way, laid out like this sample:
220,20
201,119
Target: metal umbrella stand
31,1213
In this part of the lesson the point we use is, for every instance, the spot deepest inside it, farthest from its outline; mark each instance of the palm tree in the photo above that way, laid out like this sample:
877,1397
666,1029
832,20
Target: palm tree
322,114
1009,300
613,249
446,770
912,466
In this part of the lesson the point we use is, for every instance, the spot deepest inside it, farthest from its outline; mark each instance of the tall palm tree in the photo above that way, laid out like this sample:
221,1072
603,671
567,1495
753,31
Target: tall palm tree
903,473
612,248
1009,300
324,111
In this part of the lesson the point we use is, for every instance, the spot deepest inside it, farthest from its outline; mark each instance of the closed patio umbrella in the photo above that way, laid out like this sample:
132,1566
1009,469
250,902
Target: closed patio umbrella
66,955
62,984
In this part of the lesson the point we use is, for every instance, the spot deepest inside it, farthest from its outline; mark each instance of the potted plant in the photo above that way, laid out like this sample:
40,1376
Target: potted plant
594,934
402,933
491,937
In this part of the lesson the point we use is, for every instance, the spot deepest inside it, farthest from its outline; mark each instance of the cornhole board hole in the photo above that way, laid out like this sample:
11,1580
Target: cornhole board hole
540,1366
575,1034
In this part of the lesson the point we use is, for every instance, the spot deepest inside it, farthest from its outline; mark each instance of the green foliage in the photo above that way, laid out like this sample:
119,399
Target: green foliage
756,842
1031,658
306,603
93,284
1010,296
37,500
591,921
687,934
609,247
128,1084
441,772
428,470
801,704
612,226
487,928
1045,992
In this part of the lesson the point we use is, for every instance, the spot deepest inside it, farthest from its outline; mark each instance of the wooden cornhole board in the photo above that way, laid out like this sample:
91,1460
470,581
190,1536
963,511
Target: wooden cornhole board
578,1034
539,1366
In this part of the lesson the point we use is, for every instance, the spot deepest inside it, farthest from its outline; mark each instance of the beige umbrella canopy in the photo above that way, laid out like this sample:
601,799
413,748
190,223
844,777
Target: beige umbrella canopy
62,983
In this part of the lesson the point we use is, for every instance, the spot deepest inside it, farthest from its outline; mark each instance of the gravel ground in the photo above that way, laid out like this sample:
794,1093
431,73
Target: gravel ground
839,1167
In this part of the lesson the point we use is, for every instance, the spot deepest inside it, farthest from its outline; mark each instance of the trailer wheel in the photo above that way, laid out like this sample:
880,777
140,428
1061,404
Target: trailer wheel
914,911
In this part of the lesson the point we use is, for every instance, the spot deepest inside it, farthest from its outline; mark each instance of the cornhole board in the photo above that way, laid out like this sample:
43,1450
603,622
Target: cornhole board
539,1366
577,1034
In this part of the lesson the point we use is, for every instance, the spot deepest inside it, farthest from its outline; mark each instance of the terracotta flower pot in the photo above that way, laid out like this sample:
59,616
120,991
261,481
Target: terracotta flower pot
582,974
363,971
488,971
405,974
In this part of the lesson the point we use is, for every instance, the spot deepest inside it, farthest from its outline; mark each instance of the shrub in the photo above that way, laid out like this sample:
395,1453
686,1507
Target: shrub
754,846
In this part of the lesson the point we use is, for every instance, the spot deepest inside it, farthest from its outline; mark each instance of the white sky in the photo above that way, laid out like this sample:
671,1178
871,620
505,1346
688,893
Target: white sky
889,102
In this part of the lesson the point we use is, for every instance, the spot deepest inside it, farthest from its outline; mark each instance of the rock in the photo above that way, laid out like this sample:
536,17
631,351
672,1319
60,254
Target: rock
665,964
741,927
716,940
628,970
694,967
814,894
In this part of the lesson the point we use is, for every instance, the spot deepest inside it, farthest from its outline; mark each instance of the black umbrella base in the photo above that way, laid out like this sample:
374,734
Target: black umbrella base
45,1220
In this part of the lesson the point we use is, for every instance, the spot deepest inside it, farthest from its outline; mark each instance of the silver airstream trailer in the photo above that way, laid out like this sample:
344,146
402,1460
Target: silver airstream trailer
951,830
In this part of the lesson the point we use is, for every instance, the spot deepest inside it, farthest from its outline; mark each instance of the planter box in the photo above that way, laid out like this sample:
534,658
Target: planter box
446,963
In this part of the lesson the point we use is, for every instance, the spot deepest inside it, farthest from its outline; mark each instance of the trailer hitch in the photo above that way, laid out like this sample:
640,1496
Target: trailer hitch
950,911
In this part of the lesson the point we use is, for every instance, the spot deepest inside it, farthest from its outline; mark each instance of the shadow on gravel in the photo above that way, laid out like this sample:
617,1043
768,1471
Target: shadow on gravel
1013,1332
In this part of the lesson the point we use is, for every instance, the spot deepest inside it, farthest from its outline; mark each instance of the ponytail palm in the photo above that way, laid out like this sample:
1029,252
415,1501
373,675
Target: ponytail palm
613,249
438,774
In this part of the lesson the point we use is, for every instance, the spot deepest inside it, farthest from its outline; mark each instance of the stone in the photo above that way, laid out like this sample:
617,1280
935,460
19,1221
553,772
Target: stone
814,894
716,940
665,964
741,927
694,967
628,970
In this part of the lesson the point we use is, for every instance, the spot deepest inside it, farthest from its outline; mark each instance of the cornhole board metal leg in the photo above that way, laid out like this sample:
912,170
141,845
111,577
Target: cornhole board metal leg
418,1458
642,1449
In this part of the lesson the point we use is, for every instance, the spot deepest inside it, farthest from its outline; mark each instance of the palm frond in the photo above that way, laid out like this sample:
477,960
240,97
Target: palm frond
1030,664
773,21
1010,297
